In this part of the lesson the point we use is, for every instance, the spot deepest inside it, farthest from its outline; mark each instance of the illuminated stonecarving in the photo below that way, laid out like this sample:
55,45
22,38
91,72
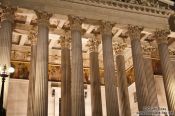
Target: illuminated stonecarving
152,6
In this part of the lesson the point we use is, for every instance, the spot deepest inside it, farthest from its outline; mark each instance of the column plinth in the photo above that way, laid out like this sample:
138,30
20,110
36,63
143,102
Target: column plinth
32,76
139,70
65,75
41,82
96,102
167,69
109,71
152,92
122,80
77,84
7,19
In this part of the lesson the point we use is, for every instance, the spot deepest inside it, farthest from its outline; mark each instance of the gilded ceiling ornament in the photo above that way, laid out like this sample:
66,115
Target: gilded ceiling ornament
161,36
43,17
93,44
135,32
119,48
147,50
75,23
8,13
106,28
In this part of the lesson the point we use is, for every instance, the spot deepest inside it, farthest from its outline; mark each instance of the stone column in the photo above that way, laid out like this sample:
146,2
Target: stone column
172,57
7,20
96,102
32,76
41,82
65,75
122,80
139,70
77,85
152,92
167,69
109,71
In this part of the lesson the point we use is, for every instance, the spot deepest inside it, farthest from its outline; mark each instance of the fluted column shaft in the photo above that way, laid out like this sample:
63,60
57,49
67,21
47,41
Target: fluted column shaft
139,70
167,69
32,76
65,77
172,57
7,20
109,71
152,92
122,80
41,82
96,102
77,85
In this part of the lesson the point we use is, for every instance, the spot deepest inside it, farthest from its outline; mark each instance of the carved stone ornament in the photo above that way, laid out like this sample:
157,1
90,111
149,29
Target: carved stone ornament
43,17
134,32
93,44
161,36
119,48
143,6
106,28
33,37
172,52
7,14
75,23
65,41
147,50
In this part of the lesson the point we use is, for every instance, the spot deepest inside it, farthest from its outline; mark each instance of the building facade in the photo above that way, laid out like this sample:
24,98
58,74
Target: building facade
110,43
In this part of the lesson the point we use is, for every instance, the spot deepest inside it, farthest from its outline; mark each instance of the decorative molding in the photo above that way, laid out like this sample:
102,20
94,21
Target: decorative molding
161,36
147,6
134,32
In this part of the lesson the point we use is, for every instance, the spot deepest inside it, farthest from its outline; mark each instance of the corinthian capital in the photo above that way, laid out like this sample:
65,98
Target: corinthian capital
172,52
119,48
75,23
43,17
7,14
93,44
65,40
106,28
161,36
134,32
147,50
33,37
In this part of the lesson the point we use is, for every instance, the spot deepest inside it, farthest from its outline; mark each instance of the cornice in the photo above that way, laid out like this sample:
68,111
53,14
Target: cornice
130,7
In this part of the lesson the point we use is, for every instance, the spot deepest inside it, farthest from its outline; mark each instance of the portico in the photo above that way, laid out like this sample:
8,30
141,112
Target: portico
70,36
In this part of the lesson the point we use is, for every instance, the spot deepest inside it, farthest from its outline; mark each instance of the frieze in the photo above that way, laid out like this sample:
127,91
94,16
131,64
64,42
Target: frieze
147,6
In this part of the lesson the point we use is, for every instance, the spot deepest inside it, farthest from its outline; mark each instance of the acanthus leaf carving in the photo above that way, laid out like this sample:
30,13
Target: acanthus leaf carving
119,48
161,36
